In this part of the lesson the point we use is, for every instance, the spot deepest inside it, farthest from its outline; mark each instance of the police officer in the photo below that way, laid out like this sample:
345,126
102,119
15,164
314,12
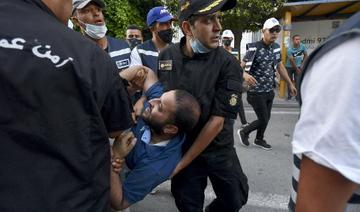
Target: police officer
89,17
198,65
60,99
227,39
159,20
261,61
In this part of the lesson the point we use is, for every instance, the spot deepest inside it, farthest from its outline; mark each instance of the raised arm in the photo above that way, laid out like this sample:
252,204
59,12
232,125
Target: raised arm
139,77
122,146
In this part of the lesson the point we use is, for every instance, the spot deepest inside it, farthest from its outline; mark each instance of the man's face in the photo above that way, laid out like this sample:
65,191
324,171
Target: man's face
207,29
296,40
226,41
160,112
134,33
270,35
91,14
160,26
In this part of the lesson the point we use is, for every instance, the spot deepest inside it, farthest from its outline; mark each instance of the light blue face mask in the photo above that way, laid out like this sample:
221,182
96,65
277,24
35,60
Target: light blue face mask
95,31
198,47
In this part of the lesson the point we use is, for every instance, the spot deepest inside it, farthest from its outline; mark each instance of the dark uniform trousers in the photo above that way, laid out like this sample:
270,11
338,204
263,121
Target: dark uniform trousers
227,179
214,79
262,103
242,111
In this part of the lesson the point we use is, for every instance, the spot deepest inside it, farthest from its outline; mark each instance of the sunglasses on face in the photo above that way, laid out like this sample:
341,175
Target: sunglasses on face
276,29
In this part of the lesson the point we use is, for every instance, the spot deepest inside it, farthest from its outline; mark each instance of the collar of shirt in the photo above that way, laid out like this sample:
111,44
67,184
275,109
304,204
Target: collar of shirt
264,45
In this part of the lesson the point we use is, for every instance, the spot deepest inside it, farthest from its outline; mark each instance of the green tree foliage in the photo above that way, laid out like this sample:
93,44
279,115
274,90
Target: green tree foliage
121,13
249,15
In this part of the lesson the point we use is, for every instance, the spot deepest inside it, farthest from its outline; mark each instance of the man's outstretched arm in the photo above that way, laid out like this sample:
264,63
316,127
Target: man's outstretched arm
122,146
322,189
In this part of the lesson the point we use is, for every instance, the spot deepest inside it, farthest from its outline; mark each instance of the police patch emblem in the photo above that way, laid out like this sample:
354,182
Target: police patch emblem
121,64
165,65
233,99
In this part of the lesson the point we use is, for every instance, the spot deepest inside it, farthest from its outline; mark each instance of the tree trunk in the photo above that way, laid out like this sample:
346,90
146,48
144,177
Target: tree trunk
238,36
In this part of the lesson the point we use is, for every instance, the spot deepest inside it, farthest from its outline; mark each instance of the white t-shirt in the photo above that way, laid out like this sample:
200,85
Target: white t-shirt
328,130
135,57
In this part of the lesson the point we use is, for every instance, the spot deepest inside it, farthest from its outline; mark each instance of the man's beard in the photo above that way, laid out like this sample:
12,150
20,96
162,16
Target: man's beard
155,126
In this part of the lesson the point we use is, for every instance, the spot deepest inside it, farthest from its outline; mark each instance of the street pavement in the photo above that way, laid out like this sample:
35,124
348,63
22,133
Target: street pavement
269,172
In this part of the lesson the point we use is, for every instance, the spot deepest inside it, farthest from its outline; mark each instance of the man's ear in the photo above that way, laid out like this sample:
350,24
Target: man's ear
170,129
185,25
75,21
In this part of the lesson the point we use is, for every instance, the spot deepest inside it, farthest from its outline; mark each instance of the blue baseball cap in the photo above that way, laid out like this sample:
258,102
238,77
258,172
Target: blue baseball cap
158,14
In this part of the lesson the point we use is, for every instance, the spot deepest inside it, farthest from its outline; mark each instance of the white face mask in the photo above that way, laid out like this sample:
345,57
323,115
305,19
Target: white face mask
198,47
95,31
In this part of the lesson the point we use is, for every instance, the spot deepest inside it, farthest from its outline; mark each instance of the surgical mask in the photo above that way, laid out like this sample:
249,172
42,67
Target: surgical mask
166,35
198,47
95,31
226,42
133,42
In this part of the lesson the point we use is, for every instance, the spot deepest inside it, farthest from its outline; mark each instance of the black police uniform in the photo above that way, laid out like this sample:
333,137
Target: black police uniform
60,96
215,80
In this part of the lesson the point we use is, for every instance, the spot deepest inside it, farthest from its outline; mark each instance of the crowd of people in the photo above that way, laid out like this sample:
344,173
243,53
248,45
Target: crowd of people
169,109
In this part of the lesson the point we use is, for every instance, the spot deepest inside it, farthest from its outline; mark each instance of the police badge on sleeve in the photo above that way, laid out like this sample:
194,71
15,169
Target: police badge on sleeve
165,65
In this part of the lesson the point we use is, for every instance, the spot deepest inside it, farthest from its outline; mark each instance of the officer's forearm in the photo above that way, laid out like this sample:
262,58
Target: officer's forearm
211,129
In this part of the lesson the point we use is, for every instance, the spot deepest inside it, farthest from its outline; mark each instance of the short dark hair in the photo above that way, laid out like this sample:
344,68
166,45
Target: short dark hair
296,35
187,111
133,27
192,19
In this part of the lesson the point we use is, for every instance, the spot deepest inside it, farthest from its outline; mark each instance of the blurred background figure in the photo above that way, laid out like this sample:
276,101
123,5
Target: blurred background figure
227,40
134,36
295,58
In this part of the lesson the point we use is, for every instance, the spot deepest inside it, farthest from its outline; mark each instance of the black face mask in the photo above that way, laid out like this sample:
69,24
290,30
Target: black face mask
226,42
133,42
166,35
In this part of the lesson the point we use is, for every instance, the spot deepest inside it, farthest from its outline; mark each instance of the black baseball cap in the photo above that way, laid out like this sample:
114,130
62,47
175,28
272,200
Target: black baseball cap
203,7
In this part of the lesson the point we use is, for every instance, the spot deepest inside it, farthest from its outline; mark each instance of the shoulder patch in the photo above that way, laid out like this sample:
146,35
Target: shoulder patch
233,99
165,65
121,64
